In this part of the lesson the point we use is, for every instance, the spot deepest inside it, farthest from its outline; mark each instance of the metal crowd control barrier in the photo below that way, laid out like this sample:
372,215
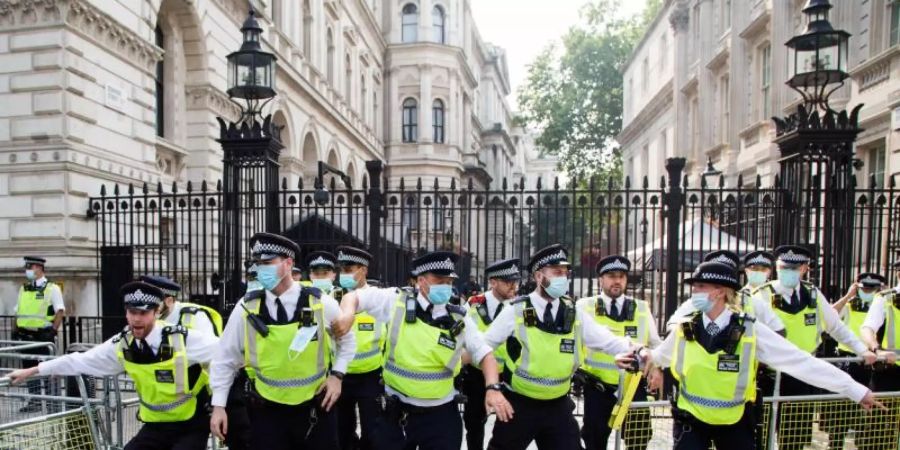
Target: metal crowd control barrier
832,421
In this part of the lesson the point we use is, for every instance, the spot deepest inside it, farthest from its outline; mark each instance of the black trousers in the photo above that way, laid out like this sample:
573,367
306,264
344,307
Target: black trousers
306,426
838,418
404,427
474,416
45,335
238,437
599,400
192,434
692,434
794,420
358,391
549,423
884,428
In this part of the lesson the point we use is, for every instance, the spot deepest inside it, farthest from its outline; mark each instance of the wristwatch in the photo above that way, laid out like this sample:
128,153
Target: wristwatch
338,375
494,387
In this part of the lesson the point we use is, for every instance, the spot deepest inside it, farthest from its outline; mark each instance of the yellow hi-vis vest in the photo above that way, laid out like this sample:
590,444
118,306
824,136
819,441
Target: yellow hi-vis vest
163,386
853,318
189,311
804,329
746,296
636,326
891,338
547,361
370,338
35,310
713,387
478,309
279,374
421,359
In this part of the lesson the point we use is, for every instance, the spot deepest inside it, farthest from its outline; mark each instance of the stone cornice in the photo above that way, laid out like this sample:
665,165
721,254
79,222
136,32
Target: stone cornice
84,18
648,113
208,97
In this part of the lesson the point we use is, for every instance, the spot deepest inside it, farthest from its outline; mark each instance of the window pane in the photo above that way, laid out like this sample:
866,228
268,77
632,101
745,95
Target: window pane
895,23
410,23
437,18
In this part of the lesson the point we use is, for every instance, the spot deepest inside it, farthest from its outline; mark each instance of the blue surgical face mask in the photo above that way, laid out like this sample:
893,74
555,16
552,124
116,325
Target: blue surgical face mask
789,278
757,278
558,287
323,284
439,294
267,275
29,273
701,302
347,281
866,296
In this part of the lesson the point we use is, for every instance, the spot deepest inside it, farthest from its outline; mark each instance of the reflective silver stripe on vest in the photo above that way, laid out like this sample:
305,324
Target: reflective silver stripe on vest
820,326
290,382
397,321
379,327
522,332
709,402
891,330
542,381
600,365
168,406
375,351
251,333
744,374
643,318
392,367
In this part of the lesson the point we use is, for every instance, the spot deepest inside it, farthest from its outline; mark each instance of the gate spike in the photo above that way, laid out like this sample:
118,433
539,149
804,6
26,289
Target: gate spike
740,180
219,186
556,183
283,183
505,186
190,187
662,182
365,184
144,188
471,184
453,184
435,183
892,183
300,183
130,189
684,182
103,190
419,183
402,183
758,181
174,187
159,187
721,181
116,190
777,181
203,186
522,184
703,183
646,184
627,182
609,183
871,180
591,182
539,182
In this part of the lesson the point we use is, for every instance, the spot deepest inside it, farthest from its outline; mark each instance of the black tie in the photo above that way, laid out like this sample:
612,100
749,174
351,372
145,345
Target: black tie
144,352
280,313
548,314
497,311
614,310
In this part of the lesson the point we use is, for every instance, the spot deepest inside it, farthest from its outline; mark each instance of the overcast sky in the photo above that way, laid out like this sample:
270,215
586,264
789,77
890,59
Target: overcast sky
525,27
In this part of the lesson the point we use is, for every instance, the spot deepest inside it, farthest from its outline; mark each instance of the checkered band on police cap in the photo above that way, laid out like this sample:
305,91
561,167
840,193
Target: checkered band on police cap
614,265
445,265
265,250
504,272
348,258
758,260
320,261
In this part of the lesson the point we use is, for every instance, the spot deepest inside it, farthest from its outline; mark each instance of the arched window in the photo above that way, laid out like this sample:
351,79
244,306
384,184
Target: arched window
348,79
307,30
160,86
410,23
329,39
438,23
410,120
437,120
363,94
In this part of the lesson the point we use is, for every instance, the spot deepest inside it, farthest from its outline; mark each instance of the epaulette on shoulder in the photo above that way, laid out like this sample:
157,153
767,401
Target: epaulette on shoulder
121,335
255,295
309,290
476,299
887,293
455,309
520,299
175,329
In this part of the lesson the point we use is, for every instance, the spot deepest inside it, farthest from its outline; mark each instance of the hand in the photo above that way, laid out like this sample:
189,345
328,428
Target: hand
852,291
889,357
342,325
625,360
218,423
869,358
332,389
494,401
19,376
868,402
655,380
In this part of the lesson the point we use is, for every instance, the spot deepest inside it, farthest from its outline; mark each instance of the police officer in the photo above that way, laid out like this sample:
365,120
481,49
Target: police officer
714,356
545,336
39,314
297,274
192,316
624,316
427,339
758,269
362,384
503,277
164,362
755,307
282,335
322,270
884,312
806,314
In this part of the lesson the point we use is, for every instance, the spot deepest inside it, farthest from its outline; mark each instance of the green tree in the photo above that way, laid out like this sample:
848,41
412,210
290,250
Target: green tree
573,93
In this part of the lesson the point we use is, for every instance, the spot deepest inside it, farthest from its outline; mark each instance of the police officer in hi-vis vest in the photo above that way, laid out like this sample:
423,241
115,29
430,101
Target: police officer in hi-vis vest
714,356
190,315
281,334
362,384
756,307
163,361
624,316
806,314
39,314
545,337
503,277
322,270
885,311
428,341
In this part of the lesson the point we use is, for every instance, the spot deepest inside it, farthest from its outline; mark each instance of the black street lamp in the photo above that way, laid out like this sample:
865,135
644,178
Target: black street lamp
251,147
817,148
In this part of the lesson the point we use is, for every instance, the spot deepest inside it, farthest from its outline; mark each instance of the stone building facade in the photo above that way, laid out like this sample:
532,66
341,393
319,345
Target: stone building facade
708,74
115,92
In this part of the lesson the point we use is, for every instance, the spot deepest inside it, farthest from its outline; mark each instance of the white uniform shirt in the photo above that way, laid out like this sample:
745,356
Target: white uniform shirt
380,303
229,355
200,322
875,317
620,300
492,303
102,360
831,320
779,354
594,335
55,294
762,312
